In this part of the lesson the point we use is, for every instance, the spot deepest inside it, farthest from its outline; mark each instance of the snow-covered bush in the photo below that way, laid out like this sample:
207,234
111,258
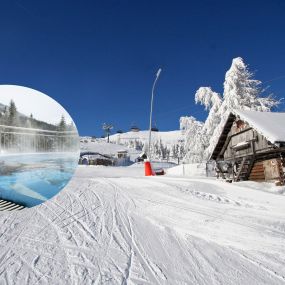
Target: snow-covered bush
194,143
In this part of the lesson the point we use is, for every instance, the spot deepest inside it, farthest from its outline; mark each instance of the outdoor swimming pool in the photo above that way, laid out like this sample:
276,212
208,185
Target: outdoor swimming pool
31,179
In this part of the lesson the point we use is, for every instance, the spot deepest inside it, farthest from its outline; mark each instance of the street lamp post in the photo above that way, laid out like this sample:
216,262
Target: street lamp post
150,115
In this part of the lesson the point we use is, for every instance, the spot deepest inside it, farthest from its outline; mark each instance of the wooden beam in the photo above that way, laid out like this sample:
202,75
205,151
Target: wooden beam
240,169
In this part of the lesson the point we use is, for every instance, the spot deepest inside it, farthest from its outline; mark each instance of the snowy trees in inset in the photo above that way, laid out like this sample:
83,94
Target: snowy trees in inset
4,116
13,115
62,124
9,116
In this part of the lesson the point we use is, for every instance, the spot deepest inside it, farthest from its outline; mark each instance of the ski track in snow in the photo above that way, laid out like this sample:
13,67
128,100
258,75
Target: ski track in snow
146,230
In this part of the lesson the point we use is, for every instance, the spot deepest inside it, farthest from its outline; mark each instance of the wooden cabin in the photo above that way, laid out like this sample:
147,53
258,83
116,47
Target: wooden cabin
122,154
141,157
251,146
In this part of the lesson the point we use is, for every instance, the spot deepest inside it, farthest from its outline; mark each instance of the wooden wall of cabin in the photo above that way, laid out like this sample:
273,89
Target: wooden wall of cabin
257,172
268,170
240,133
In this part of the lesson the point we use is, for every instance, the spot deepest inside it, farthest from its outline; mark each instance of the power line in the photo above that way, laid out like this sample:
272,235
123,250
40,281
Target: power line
276,78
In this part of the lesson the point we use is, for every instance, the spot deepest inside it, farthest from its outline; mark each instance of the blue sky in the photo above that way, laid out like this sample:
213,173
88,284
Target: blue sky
98,58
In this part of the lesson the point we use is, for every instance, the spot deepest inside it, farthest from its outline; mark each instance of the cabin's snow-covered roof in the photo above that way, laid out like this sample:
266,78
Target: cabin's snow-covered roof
270,124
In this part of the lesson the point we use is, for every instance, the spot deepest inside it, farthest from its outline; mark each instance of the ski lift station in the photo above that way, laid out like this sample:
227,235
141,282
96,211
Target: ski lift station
134,128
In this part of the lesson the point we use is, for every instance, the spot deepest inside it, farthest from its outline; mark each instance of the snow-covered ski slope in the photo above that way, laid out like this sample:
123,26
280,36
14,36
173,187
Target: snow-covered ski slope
115,226
101,146
168,138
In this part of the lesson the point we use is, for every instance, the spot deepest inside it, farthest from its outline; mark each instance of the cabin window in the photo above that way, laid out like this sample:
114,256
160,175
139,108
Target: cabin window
239,125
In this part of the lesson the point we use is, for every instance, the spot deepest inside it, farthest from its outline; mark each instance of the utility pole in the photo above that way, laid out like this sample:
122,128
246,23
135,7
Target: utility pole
107,128
150,115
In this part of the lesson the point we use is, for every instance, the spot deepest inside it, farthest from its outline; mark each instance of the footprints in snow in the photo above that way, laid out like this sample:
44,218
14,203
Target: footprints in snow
215,198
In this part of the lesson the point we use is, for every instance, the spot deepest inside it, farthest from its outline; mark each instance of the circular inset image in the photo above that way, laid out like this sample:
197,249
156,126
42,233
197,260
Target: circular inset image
39,147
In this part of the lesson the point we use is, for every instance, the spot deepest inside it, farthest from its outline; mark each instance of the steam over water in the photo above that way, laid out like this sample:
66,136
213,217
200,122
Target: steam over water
30,179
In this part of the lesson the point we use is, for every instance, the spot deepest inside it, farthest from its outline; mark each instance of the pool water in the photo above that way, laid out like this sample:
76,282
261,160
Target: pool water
31,179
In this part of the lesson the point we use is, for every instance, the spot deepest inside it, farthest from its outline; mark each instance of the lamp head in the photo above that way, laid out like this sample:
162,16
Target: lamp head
158,72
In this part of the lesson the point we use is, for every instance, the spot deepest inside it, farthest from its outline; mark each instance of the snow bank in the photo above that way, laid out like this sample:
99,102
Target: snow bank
262,186
193,169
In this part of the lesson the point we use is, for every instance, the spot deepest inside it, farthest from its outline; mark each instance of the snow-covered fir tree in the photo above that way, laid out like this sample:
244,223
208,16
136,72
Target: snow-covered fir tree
4,116
175,151
62,124
13,114
241,91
